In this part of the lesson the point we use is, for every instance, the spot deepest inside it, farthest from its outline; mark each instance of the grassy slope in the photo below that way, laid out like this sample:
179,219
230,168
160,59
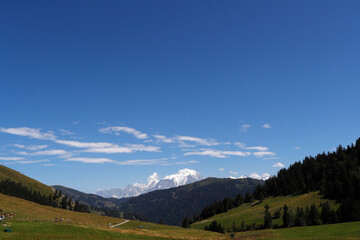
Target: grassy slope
255,213
332,231
32,184
34,221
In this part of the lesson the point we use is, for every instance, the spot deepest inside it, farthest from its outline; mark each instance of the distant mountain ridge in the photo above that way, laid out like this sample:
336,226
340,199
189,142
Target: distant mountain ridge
182,177
89,199
170,206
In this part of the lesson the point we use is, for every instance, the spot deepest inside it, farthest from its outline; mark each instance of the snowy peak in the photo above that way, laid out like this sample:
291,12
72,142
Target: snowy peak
185,176
182,177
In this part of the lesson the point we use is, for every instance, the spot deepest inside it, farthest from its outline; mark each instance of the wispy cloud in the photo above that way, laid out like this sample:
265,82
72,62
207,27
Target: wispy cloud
162,138
90,160
265,153
217,153
45,153
258,148
279,165
240,144
297,148
200,141
266,125
11,158
244,127
233,173
116,130
31,147
33,161
29,132
66,132
221,169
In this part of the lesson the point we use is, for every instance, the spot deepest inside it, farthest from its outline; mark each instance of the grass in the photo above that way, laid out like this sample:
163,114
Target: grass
8,173
47,230
255,213
331,231
34,221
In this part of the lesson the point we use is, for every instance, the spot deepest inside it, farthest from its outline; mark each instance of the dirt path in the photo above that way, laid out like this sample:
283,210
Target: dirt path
119,223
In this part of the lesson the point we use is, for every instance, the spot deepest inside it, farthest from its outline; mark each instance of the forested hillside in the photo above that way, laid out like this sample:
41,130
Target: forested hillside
170,206
336,175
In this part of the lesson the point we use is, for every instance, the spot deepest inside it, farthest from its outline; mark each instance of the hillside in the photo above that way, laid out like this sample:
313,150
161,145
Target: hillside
338,231
34,221
254,213
170,206
89,199
31,184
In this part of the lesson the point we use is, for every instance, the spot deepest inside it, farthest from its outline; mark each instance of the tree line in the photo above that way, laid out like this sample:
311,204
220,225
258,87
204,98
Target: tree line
11,188
336,175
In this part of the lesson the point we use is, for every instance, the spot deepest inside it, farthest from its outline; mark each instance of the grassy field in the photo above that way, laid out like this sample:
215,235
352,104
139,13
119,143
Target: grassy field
255,213
34,221
332,232
30,183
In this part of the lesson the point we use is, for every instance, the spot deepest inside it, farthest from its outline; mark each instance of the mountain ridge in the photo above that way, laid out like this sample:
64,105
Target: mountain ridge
182,177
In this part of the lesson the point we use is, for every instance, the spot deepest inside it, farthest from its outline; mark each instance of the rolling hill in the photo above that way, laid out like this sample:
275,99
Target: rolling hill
34,221
170,206
254,212
31,184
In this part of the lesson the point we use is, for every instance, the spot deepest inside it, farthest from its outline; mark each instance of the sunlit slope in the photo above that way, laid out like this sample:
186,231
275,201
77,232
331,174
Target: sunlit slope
337,231
34,221
254,213
8,173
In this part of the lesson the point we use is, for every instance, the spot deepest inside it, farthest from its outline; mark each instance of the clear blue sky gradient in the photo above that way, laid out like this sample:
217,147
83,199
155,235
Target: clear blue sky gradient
177,68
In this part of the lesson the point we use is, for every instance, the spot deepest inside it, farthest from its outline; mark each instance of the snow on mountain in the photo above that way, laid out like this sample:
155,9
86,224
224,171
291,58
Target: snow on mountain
182,177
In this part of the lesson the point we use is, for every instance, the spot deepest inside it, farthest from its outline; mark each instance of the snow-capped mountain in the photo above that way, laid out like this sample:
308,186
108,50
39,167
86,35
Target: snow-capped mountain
182,177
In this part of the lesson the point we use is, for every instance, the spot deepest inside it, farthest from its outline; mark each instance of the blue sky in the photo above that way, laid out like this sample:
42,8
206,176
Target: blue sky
100,94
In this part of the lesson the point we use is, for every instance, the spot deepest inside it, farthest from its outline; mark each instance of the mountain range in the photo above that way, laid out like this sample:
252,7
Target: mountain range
182,177
170,206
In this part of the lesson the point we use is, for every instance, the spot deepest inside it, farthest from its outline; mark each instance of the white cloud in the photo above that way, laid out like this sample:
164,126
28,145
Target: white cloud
48,152
29,132
66,132
11,158
279,164
31,147
91,160
258,148
297,148
245,127
143,148
261,154
116,130
162,138
240,144
200,141
233,173
217,153
221,169
85,144
266,125
33,161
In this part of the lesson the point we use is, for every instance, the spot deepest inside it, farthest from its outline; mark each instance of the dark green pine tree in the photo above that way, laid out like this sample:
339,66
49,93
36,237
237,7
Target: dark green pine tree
286,217
186,223
326,213
267,220
300,217
315,216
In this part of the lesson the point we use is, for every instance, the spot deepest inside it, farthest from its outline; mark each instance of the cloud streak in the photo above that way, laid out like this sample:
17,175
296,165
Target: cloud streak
29,132
116,130
218,153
